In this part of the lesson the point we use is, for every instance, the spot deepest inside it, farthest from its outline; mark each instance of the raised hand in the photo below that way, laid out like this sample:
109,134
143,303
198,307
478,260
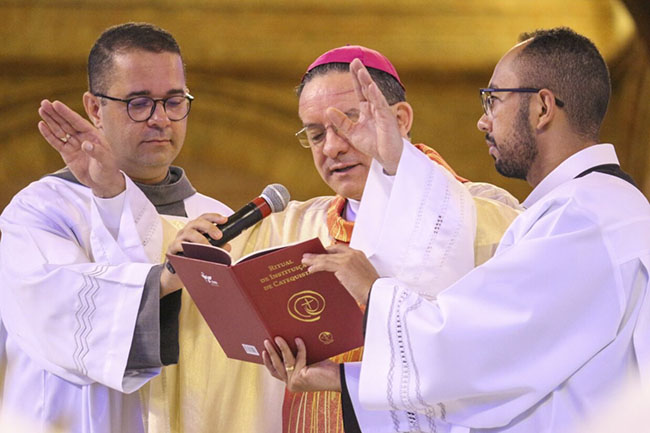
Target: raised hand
321,376
83,148
377,132
351,267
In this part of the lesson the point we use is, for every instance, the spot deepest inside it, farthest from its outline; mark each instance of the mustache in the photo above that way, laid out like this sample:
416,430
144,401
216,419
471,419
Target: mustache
489,138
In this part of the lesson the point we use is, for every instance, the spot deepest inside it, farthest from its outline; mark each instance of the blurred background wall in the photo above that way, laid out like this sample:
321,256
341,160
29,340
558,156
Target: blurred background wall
244,58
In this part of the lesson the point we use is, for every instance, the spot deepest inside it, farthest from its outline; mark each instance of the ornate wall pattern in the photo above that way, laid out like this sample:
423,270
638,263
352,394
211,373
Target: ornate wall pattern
244,58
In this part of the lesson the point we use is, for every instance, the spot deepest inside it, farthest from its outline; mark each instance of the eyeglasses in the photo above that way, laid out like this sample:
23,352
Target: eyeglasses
487,100
141,108
314,135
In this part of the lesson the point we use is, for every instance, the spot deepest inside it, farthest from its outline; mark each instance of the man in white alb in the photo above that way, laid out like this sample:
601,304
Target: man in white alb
87,317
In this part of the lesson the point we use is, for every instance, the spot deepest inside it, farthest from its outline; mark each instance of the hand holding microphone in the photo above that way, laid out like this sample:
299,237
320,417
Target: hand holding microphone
274,198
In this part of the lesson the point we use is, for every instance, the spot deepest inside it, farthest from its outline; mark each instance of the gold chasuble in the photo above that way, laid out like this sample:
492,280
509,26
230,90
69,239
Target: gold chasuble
209,393
311,412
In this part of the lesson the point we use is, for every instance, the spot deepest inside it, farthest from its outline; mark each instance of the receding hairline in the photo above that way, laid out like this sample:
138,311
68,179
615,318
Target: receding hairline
126,51
570,65
517,53
123,39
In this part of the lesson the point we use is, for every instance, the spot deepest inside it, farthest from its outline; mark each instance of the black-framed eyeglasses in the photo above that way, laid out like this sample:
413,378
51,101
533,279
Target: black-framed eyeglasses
315,135
141,108
487,100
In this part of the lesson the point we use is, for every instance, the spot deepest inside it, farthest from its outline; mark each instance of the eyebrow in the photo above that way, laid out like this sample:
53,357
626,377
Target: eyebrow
347,113
148,93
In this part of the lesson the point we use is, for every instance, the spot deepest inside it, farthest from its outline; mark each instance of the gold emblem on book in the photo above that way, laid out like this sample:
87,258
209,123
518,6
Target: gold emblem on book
306,306
326,337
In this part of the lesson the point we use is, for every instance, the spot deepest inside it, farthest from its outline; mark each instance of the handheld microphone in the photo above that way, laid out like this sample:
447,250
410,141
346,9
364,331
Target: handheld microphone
274,198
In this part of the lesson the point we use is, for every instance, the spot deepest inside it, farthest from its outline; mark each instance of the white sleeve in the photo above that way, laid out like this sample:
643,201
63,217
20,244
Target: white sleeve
642,331
71,285
472,348
384,421
418,227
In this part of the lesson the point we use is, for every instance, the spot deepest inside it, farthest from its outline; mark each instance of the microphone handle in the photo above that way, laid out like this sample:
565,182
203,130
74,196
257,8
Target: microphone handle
244,218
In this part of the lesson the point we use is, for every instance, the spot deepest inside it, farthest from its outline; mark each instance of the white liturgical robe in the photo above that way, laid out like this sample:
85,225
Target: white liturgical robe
533,340
73,268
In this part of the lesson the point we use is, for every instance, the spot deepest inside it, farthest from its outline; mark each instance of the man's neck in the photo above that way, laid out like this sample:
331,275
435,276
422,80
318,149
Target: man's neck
165,180
150,178
550,157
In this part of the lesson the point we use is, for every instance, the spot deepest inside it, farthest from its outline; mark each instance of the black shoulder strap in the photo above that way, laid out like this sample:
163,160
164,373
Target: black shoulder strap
611,169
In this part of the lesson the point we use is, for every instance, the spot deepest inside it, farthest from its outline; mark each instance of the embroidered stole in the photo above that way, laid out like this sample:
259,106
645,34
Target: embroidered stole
320,412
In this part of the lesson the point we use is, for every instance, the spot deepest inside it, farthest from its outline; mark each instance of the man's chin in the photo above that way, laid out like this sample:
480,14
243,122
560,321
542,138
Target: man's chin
347,191
159,157
347,186
509,171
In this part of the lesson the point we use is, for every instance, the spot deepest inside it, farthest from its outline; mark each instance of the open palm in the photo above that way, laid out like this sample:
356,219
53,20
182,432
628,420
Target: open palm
376,133
83,147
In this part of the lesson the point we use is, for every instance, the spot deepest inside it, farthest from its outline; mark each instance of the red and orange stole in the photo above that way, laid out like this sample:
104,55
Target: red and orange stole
320,412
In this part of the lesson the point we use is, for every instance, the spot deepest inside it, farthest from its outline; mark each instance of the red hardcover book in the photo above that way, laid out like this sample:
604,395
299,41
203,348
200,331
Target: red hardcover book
269,294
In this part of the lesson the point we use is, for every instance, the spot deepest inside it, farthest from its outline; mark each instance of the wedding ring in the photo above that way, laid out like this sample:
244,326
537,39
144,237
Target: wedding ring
66,138
289,368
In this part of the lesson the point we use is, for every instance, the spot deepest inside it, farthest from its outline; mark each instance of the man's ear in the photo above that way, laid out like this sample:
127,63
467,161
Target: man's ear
92,107
546,108
404,114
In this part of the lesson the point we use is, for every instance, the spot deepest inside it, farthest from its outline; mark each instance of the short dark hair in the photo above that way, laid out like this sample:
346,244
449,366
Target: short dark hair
387,84
122,38
569,65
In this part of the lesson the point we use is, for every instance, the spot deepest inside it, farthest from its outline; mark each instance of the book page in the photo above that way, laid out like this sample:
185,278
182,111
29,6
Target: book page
264,251
205,252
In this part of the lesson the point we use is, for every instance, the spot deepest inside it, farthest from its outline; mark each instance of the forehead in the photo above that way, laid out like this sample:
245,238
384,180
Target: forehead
505,72
147,72
334,89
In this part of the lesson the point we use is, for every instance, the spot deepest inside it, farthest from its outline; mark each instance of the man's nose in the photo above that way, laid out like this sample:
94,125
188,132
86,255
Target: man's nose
334,143
484,124
159,116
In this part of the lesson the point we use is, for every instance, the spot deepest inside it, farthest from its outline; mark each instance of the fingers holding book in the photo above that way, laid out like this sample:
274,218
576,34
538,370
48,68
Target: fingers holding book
351,267
292,370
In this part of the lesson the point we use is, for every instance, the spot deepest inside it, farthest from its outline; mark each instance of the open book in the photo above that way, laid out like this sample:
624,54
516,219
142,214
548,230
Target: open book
267,294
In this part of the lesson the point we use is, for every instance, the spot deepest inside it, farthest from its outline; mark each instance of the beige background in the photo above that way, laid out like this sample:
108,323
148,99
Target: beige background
245,57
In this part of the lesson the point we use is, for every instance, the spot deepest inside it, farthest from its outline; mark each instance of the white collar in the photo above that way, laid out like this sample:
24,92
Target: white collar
591,156
351,210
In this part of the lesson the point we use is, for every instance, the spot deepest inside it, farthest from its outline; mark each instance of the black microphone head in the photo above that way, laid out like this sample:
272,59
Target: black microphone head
277,196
